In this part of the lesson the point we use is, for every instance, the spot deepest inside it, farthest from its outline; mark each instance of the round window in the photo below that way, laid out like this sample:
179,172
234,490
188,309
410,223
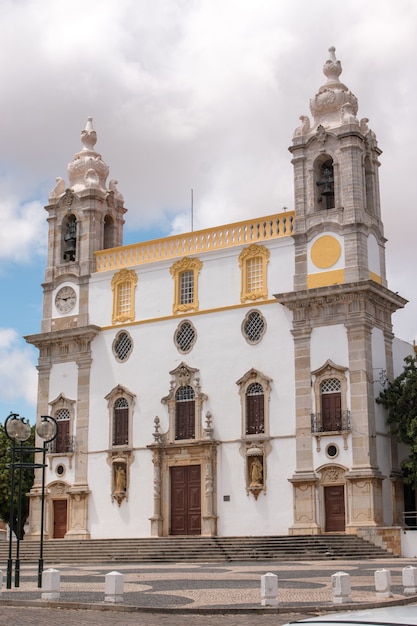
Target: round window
332,450
253,327
122,346
60,470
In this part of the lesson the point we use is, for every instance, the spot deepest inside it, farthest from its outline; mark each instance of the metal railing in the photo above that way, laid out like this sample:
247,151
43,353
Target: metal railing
337,423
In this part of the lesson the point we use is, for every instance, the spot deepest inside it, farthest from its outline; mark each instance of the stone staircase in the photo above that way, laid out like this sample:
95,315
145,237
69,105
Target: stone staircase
198,549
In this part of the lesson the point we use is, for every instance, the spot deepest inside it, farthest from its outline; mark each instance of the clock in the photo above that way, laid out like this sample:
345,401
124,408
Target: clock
65,299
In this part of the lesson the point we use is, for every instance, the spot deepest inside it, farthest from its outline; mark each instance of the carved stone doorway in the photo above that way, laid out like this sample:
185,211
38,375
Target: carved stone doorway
60,518
185,500
334,505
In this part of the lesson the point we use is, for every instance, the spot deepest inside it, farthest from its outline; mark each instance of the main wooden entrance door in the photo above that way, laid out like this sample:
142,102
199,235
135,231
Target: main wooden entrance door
186,500
334,503
60,518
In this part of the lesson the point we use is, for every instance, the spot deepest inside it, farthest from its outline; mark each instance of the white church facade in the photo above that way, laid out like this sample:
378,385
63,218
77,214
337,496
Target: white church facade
223,382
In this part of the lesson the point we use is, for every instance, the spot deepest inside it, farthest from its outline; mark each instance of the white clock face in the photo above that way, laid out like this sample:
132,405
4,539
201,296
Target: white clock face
65,299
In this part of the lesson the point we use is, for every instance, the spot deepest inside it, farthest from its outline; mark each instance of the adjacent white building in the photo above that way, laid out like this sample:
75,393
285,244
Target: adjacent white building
223,382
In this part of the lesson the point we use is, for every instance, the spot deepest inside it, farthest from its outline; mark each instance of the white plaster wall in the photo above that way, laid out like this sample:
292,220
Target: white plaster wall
272,512
131,519
63,379
329,342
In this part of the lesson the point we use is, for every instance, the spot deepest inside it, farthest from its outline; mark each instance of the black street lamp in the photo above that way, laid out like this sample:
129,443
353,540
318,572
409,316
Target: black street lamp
18,431
47,429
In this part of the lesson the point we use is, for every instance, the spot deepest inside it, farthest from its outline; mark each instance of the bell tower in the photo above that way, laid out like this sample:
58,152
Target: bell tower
84,217
341,325
338,230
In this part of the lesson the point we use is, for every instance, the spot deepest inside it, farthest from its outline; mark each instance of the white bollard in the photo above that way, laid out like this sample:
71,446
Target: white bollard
410,579
51,580
341,588
383,583
114,587
269,589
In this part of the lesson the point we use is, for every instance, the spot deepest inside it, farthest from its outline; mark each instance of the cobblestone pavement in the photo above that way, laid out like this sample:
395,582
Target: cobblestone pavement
51,617
174,594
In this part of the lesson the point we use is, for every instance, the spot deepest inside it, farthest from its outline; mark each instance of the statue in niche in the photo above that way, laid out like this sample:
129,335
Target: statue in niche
256,472
119,479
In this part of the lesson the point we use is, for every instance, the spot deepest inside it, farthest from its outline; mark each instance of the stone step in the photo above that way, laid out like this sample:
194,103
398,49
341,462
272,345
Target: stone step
198,549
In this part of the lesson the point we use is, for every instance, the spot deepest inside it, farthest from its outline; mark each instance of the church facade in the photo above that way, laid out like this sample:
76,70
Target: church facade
223,382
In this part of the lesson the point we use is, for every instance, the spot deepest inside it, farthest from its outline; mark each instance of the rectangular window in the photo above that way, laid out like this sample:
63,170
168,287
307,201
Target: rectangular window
121,426
185,420
331,409
187,287
254,414
62,440
254,275
123,299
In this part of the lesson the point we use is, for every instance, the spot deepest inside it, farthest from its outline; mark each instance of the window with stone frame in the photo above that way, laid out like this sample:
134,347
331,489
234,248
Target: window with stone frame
63,411
185,273
253,262
185,403
253,326
120,403
254,390
330,412
123,285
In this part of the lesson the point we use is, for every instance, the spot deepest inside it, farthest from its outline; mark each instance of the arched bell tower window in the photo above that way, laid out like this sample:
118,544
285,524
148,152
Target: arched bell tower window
109,232
69,238
324,182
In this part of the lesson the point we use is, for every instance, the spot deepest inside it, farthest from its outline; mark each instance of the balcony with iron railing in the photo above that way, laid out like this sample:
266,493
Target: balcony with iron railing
63,446
336,423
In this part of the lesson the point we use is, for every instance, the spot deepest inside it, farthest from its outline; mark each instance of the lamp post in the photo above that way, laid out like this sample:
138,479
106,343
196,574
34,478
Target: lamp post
18,430
47,429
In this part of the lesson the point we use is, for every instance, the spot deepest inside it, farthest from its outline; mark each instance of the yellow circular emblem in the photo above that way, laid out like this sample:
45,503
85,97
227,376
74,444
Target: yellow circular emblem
325,251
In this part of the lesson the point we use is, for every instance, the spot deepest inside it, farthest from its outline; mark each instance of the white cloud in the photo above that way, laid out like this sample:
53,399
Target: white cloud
18,376
201,94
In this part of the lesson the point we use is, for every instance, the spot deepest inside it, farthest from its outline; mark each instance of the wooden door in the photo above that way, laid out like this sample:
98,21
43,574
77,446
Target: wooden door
334,503
60,518
331,409
186,500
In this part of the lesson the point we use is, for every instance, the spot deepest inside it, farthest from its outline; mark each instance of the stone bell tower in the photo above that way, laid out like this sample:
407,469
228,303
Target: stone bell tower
342,312
83,217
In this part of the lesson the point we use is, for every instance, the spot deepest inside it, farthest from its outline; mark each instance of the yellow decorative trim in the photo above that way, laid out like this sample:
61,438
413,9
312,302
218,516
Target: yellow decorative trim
164,318
177,270
123,285
323,279
219,238
375,278
253,254
325,252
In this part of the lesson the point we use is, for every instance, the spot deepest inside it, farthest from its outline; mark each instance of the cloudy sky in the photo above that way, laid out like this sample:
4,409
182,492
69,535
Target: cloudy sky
187,94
